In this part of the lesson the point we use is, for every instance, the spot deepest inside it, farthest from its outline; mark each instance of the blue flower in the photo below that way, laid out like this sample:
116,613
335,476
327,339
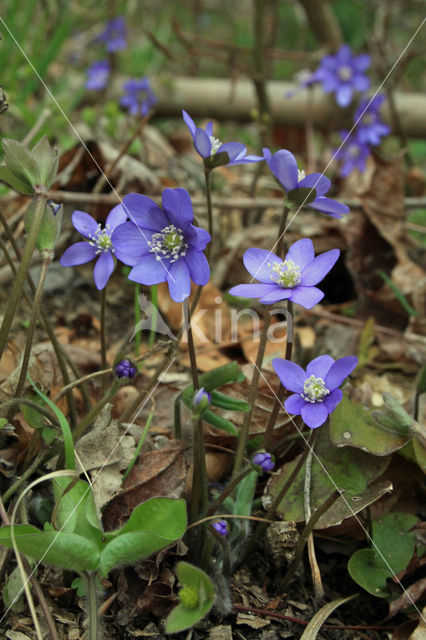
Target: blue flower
114,35
290,279
98,244
264,460
97,75
283,166
139,96
353,154
315,391
208,146
125,369
221,527
162,244
367,118
343,73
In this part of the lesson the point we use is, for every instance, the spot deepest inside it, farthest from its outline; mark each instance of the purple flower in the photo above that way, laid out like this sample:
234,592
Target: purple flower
125,369
264,460
114,35
221,527
290,279
139,96
315,391
208,146
162,244
353,154
367,118
98,244
200,395
304,79
97,75
343,73
283,166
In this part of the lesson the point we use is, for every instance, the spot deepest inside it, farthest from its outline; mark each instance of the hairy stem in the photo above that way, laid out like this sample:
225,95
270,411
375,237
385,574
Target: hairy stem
104,363
90,578
207,176
154,302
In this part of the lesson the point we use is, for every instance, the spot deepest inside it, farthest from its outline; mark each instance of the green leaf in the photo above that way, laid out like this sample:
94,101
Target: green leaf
46,159
244,495
314,626
50,226
220,423
20,185
226,402
19,160
419,450
130,547
394,418
220,376
34,418
60,549
182,617
13,592
76,510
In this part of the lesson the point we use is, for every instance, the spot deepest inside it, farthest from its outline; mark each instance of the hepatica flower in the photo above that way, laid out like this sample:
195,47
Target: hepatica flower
290,279
139,97
283,166
98,244
343,73
315,391
162,244
114,35
370,128
97,75
353,154
221,527
208,146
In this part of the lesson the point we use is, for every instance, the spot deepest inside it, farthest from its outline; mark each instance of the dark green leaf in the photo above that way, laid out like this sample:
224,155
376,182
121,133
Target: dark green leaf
20,185
182,617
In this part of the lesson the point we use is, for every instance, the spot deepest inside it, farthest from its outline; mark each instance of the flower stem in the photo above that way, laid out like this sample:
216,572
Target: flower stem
154,303
90,579
137,318
18,285
47,258
207,176
104,363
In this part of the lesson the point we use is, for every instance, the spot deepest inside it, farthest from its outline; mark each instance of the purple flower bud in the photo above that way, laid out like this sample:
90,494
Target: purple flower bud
264,460
198,397
125,369
221,527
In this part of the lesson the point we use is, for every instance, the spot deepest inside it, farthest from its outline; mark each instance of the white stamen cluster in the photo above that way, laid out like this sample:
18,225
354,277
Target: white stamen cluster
345,73
300,175
353,151
368,118
286,274
216,144
168,244
314,389
101,239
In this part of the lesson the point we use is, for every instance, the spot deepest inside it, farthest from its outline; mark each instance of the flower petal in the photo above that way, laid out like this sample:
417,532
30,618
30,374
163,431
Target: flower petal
291,375
301,252
144,212
361,83
84,223
235,150
316,270
361,62
319,366
78,253
332,400
252,290
258,263
316,181
103,269
202,143
178,207
189,122
116,216
198,266
179,281
294,404
131,240
314,414
283,165
196,237
280,293
331,207
339,371
149,270
344,95
307,297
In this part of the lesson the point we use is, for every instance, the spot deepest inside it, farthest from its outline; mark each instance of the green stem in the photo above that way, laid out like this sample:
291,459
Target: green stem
26,474
207,176
24,266
87,421
139,447
90,578
244,432
154,302
47,258
104,364
227,491
137,318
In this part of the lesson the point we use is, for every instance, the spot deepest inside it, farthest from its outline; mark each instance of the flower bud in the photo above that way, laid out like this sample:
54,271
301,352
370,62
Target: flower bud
263,461
221,527
201,402
125,369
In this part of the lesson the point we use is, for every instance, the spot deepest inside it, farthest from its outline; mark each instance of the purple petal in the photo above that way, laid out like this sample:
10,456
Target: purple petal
198,266
179,281
301,252
316,181
307,297
178,207
280,293
319,366
339,371
116,216
332,400
131,240
197,238
361,83
344,54
209,128
316,270
103,268
361,62
235,150
84,223
144,212
314,414
78,253
252,290
294,404
149,270
344,95
189,122
291,375
284,167
331,207
202,143
258,263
